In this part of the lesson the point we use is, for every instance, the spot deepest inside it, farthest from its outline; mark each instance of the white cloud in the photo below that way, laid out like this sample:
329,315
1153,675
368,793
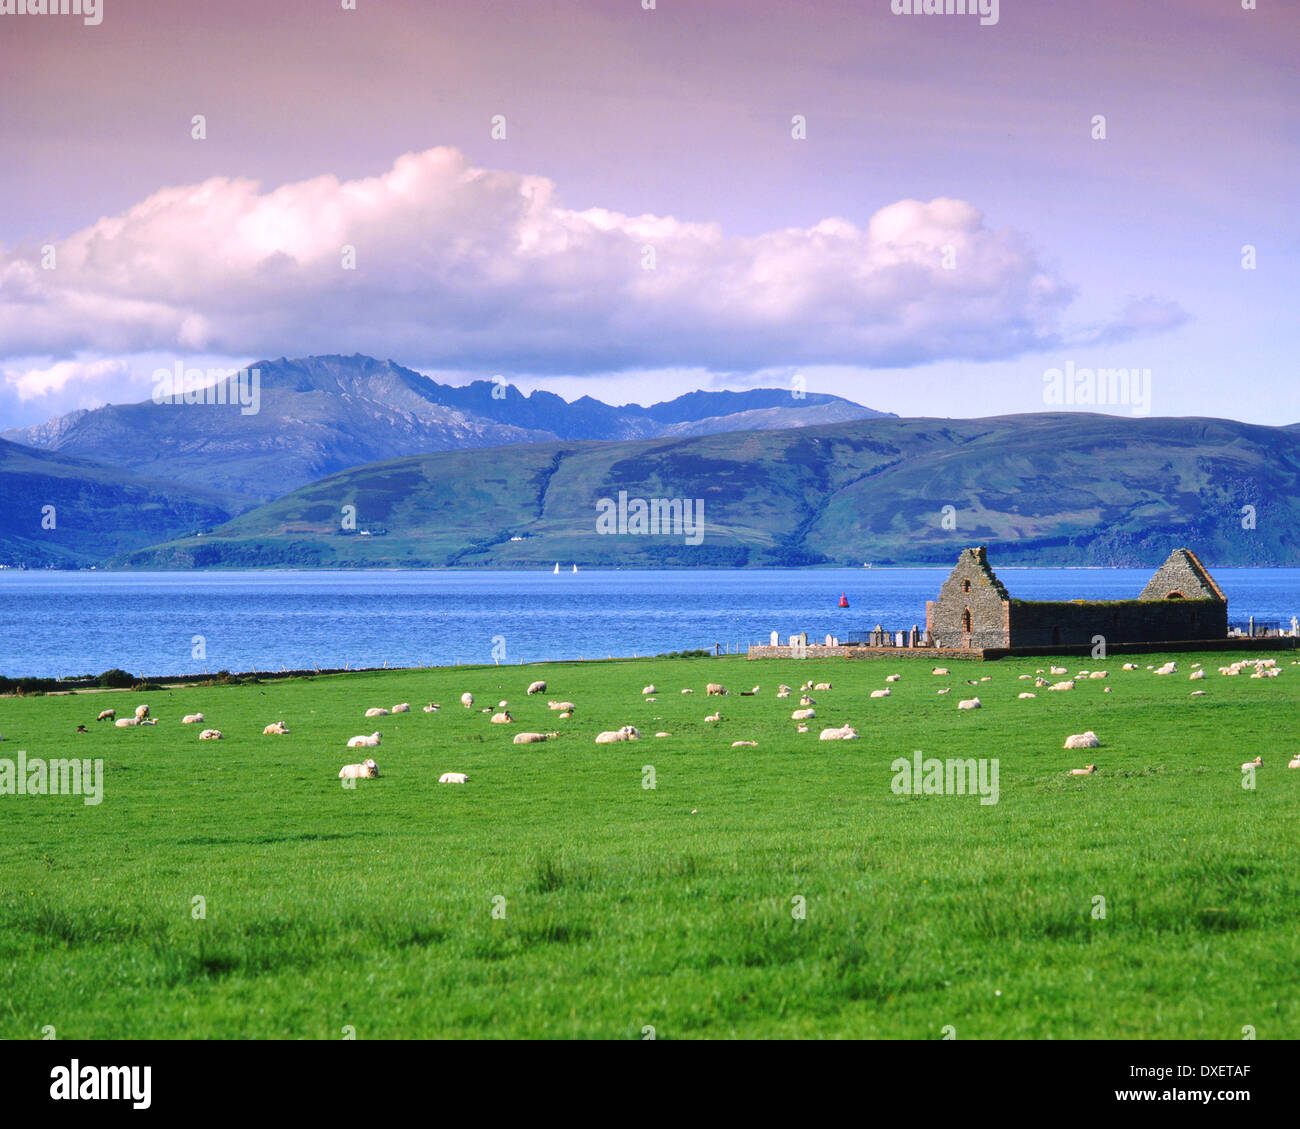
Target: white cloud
36,383
485,270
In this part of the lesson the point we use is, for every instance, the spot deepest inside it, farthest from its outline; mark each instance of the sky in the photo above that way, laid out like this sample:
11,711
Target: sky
930,214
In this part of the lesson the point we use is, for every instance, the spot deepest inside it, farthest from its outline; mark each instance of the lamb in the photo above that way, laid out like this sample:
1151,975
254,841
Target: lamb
404,707
106,715
126,722
502,718
803,715
1083,771
714,717
843,733
367,770
881,693
783,689
467,699
364,742
1026,695
532,738
940,670
1256,763
191,718
275,727
610,737
822,686
1088,740
141,712
1062,685
376,711
536,688
969,704
452,778
645,690
566,707
211,735
714,690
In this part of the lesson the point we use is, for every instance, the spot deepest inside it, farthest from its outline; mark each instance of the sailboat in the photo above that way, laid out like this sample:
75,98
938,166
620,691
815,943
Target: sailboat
575,568
557,569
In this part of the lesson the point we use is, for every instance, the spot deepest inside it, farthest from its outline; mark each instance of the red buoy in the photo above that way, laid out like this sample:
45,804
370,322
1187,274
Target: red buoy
844,600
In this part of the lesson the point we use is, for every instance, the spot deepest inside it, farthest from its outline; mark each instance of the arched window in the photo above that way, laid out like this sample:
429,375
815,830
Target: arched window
965,585
1175,595
965,621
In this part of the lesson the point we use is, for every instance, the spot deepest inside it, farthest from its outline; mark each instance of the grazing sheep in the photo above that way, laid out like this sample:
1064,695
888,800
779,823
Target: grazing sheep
567,707
892,677
452,778
502,718
536,688
881,693
367,770
1026,695
1088,740
714,717
532,738
210,735
803,715
714,690
648,689
940,670
467,699
376,711
364,742
1196,676
969,704
1062,685
275,727
843,733
403,707
822,686
126,722
431,708
738,744
1256,763
627,733
106,715
191,718
141,712
1083,771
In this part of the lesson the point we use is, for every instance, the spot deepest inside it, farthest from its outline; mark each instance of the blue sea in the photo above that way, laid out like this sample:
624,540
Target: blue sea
74,623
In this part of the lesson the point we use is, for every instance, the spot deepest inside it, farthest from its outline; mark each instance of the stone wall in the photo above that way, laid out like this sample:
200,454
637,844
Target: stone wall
1048,623
971,610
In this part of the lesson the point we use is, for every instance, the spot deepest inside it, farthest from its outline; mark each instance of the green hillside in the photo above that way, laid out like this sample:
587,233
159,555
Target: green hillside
1053,489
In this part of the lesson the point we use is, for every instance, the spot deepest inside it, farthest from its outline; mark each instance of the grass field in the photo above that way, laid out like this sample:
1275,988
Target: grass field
673,907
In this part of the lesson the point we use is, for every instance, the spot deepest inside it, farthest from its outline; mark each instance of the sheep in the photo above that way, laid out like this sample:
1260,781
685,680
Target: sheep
502,718
452,778
783,689
536,688
1083,771
1196,676
274,728
1130,666
843,733
688,691
645,690
141,712
1168,668
1256,763
106,715
714,717
822,686
502,704
881,693
1041,683
403,707
1026,695
1106,690
969,704
610,737
191,718
940,670
149,721
1100,674
1294,762
1197,694
803,728
803,715
566,707
1062,685
892,677
739,744
806,686
126,722
713,689
364,742
431,708
663,734
532,738
566,715
1058,670
807,701
1024,677
946,690
367,770
211,735
783,693
467,699
376,711
1088,740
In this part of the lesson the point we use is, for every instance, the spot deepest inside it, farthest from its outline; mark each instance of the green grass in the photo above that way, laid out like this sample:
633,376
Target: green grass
373,907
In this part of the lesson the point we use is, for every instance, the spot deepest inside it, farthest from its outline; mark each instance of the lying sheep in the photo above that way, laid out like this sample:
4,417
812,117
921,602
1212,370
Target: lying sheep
1196,676
502,718
822,686
274,727
892,677
1058,670
940,670
566,715
431,708
502,704
739,744
843,733
364,742
403,707
376,711
532,738
211,735
191,718
567,707
884,693
783,693
946,690
807,701
969,704
1088,740
627,733
688,691
1083,771
1256,763
803,715
536,688
1099,674
1130,666
366,770
1168,668
1026,695
1294,762
1062,685
126,722
803,728
649,689
714,717
452,778
467,700
106,715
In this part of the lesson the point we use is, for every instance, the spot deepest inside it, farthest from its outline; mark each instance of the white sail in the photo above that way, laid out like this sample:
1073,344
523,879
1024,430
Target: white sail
575,568
557,569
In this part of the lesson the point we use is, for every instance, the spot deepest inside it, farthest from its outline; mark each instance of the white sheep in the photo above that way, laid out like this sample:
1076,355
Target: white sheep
536,688
714,717
106,715
663,734
881,693
502,718
1256,763
402,707
892,677
452,778
1083,771
566,715
274,727
126,722
822,686
364,742
649,689
940,670
211,735
467,699
843,733
714,689
567,707
739,744
431,708
1062,685
969,704
1058,670
807,701
141,712
945,690
1168,668
627,733
532,738
1196,676
367,770
1088,740
1294,762
803,728
191,718
1100,674
803,715
502,704
1130,666
783,693
376,711
688,691
1026,695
